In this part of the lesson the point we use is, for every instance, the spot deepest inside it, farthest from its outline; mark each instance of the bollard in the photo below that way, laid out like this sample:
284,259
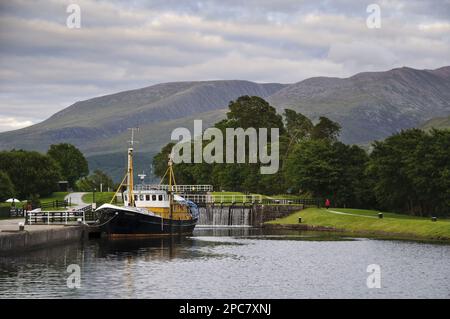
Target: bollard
380,215
299,220
21,226
433,219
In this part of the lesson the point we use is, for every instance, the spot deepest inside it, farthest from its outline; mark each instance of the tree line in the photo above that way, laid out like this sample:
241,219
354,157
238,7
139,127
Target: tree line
408,172
30,174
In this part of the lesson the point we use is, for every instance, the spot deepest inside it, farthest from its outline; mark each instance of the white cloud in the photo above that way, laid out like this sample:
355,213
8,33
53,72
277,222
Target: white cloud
12,123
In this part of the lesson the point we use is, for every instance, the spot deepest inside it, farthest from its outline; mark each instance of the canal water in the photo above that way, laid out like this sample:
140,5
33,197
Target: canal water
232,263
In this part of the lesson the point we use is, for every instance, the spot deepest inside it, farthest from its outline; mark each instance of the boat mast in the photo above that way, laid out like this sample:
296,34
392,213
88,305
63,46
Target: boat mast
130,181
170,163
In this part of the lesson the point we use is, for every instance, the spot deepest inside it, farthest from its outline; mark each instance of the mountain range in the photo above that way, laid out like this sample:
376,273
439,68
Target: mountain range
369,106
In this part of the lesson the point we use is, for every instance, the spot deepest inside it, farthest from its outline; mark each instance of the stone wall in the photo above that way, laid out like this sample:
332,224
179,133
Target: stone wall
265,213
20,240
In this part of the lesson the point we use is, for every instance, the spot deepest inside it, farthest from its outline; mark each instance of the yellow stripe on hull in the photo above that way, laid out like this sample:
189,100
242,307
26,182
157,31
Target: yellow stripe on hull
178,213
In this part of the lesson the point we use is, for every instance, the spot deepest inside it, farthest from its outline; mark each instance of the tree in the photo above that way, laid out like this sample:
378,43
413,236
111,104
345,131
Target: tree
71,161
309,168
298,126
332,170
93,181
326,129
251,111
411,171
6,187
30,172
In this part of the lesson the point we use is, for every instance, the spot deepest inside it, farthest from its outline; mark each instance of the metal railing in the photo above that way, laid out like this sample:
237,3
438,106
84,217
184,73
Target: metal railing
37,217
283,201
248,199
222,199
54,204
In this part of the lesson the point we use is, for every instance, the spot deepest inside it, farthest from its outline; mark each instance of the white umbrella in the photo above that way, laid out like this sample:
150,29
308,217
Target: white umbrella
12,200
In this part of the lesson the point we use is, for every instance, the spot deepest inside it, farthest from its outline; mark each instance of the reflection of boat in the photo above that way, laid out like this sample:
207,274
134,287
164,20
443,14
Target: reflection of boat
148,210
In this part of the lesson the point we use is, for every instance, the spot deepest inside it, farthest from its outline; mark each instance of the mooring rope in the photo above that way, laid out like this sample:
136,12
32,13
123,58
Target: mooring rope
103,223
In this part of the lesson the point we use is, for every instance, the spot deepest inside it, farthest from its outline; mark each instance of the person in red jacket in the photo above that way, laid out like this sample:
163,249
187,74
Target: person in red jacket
327,203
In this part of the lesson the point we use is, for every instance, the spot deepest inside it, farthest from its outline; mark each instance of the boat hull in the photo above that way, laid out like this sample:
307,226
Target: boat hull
126,224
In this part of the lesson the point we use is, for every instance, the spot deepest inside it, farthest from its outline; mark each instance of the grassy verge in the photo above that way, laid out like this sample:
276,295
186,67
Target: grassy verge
364,222
53,197
104,197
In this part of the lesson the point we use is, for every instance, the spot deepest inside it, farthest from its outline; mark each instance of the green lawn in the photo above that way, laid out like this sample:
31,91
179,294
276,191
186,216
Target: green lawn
226,193
392,225
55,196
104,197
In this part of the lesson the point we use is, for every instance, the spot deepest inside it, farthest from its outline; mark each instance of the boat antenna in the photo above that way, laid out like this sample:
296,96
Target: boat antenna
129,175
132,141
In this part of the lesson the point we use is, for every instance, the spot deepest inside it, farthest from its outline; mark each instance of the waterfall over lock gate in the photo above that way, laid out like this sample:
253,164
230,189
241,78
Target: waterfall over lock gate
225,216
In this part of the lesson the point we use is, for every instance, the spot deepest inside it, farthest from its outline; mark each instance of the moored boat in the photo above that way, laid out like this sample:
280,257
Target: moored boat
147,209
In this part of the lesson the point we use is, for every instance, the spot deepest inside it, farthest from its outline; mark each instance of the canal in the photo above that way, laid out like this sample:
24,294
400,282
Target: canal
231,263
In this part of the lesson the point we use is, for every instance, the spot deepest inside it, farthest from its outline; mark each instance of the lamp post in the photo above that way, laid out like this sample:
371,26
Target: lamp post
93,197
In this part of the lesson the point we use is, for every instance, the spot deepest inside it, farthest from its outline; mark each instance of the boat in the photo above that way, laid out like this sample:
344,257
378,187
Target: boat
147,209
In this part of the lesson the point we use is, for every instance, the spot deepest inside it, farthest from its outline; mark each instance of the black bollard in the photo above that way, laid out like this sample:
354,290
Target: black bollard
380,215
299,220
433,219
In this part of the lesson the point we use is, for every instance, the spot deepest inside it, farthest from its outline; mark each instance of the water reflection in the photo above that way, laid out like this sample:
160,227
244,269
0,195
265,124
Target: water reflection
230,263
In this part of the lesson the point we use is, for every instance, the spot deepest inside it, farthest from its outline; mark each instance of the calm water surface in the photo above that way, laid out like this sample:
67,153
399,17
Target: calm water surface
231,263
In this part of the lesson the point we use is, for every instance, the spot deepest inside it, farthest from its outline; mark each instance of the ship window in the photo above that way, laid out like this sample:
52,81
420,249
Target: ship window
153,197
141,197
160,197
147,197
135,197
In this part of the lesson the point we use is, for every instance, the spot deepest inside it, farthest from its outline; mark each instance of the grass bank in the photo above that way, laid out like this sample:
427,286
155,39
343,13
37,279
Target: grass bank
365,223
104,197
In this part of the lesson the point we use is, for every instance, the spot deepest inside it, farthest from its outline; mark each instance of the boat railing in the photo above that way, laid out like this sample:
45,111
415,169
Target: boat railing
175,188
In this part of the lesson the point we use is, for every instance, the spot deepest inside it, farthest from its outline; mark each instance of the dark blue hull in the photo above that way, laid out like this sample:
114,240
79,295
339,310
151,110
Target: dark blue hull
124,223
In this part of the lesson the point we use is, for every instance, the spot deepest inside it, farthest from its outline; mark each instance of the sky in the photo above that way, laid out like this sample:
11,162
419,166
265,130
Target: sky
46,66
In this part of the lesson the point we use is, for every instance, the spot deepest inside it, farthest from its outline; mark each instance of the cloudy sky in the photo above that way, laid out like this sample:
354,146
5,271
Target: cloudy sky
46,66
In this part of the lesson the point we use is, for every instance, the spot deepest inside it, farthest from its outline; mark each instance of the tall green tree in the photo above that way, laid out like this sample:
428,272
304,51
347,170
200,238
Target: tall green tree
30,172
72,162
251,111
328,170
298,126
6,187
411,170
93,181
326,129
